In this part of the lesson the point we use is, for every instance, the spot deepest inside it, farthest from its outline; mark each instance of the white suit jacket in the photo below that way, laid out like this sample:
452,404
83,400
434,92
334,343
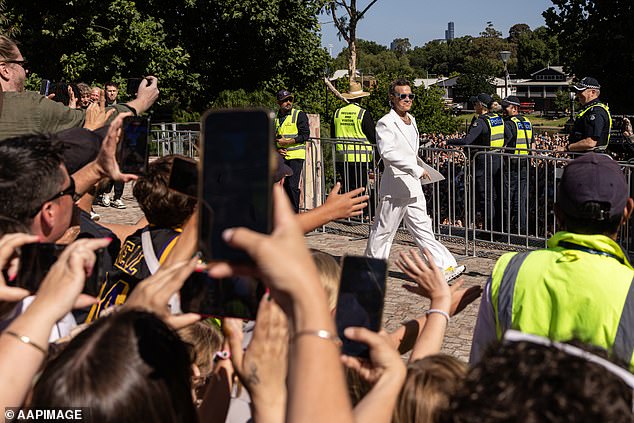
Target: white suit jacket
403,167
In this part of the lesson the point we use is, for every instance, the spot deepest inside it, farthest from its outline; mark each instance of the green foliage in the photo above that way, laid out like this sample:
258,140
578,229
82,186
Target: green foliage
595,39
536,50
477,78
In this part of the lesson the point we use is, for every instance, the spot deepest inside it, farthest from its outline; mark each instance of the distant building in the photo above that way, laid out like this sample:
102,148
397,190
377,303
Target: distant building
449,32
542,87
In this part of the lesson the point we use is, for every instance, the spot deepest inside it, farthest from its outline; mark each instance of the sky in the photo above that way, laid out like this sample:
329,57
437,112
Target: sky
424,20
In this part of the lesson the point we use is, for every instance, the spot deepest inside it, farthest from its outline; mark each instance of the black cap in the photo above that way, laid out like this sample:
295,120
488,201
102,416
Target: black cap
485,99
282,94
282,169
593,187
587,83
81,146
511,101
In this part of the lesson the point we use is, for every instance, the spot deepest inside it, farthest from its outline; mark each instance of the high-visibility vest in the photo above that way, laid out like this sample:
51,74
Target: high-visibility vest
347,123
607,110
288,129
581,287
496,128
524,134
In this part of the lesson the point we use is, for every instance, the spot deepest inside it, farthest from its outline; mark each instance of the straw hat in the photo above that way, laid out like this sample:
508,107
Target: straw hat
356,91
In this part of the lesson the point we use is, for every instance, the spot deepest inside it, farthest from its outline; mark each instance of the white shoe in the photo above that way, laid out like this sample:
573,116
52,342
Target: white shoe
118,204
105,200
452,273
94,216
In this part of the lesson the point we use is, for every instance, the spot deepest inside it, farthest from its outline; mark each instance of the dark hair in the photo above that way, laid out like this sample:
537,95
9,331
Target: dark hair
162,207
30,173
527,382
111,84
9,225
400,82
127,367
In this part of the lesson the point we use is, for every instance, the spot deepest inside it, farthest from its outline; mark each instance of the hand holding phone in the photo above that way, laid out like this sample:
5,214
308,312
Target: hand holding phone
361,299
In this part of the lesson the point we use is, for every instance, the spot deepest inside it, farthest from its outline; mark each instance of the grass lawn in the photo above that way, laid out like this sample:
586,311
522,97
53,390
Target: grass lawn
539,123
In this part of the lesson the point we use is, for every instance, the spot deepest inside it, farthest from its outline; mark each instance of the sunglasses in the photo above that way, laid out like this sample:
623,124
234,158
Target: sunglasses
404,96
287,99
23,63
68,191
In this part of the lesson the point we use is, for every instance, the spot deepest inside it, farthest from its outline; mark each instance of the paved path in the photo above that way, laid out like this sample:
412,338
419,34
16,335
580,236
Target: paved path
400,305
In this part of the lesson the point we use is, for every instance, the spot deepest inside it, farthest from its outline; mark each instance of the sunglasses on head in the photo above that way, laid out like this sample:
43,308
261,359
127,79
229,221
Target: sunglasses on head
404,96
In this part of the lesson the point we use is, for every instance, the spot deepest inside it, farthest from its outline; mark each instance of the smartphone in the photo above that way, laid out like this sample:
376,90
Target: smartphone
184,176
133,148
37,259
235,185
232,297
133,84
45,87
361,299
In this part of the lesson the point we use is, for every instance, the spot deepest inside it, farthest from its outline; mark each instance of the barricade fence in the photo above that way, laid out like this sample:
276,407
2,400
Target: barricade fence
490,198
164,142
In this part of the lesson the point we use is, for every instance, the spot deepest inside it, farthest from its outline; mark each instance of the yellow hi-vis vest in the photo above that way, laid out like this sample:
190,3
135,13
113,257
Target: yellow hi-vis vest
496,127
581,287
607,110
288,129
524,134
347,122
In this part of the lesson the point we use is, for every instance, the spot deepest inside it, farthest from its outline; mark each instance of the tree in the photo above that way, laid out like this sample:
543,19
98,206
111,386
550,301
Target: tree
536,50
401,45
517,30
477,78
595,39
347,27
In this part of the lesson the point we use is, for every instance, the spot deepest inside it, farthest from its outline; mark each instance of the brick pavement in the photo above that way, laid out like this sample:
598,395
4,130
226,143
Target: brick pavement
400,305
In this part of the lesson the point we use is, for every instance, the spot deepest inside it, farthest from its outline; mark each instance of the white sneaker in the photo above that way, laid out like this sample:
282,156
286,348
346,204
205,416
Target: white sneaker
94,216
105,200
452,273
117,204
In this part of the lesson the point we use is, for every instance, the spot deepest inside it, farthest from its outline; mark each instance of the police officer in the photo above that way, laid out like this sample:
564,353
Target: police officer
518,133
291,133
355,125
486,131
592,127
581,285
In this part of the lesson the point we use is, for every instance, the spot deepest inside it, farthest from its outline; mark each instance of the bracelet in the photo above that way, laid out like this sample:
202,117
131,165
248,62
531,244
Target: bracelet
26,340
441,312
320,333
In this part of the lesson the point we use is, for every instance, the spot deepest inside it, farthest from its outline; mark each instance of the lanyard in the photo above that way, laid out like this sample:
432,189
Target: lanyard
571,246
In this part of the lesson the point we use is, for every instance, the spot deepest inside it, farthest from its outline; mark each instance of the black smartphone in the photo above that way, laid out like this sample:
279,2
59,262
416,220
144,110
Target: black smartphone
236,180
184,176
37,259
232,297
133,148
45,87
133,84
361,299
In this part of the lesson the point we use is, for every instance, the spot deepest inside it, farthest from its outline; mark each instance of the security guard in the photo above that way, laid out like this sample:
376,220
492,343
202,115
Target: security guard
518,133
486,131
581,286
355,125
592,127
291,133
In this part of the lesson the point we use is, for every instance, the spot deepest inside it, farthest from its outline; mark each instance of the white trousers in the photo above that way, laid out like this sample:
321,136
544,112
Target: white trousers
389,215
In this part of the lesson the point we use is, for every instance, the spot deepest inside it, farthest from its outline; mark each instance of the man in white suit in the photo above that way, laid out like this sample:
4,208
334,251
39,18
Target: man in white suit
401,191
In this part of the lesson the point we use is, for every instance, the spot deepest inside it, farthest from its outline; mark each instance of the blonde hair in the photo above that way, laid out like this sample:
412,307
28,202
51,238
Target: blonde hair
428,388
204,339
329,275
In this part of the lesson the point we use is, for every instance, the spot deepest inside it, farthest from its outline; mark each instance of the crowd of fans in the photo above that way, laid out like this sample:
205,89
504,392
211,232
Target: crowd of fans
131,355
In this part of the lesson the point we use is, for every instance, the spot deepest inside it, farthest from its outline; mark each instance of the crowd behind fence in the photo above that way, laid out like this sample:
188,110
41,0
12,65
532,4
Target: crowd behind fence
509,218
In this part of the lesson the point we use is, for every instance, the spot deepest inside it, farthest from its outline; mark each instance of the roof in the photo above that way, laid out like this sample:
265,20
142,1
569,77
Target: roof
428,82
558,69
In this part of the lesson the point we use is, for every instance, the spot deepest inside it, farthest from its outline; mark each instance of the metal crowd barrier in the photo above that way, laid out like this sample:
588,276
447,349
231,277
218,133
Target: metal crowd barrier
489,198
166,142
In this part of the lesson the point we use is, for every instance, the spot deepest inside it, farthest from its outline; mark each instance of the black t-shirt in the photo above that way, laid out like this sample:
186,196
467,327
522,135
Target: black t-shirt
595,124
